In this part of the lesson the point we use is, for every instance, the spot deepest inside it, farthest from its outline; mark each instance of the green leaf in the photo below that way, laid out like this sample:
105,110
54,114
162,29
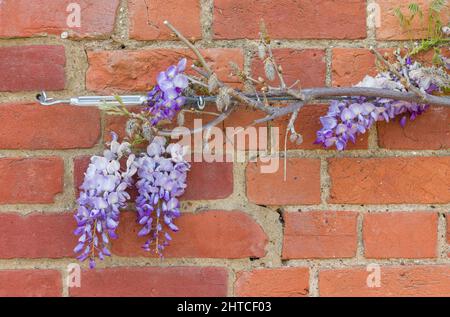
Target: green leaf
438,5
398,13
414,8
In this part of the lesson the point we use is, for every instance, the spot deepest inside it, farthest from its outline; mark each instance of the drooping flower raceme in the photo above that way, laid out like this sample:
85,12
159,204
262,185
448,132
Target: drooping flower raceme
166,99
103,194
162,172
355,115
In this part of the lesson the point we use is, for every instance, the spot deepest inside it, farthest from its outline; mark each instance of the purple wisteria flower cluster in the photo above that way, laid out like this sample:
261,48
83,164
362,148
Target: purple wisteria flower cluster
348,118
103,194
166,99
162,172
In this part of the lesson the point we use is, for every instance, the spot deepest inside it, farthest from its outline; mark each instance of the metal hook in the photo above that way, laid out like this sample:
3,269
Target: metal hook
201,103
45,101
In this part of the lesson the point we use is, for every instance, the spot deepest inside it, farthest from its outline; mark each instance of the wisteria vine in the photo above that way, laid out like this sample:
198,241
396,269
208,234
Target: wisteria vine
403,90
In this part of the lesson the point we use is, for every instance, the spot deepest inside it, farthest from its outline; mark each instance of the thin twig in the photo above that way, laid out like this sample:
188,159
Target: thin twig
191,46
195,81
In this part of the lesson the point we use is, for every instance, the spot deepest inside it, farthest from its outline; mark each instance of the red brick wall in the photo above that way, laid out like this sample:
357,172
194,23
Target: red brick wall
385,201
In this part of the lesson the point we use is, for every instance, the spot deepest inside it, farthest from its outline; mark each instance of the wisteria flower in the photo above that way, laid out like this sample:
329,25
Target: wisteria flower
348,118
103,194
162,173
166,98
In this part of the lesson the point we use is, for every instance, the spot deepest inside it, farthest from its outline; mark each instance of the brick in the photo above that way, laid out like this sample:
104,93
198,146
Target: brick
429,131
307,124
202,175
34,127
400,235
426,280
30,180
37,235
393,180
153,282
40,18
34,67
390,27
351,65
319,235
80,164
114,124
302,185
277,282
308,66
290,19
131,70
237,234
146,19
242,134
30,283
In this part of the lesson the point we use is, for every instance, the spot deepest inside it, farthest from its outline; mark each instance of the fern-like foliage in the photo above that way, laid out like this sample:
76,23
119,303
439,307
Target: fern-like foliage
435,36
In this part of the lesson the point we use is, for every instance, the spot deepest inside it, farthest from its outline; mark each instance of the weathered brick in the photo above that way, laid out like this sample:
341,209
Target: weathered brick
39,18
277,282
37,235
146,19
390,27
290,19
426,280
429,131
319,234
30,180
302,185
308,66
209,181
392,180
31,126
400,235
132,70
34,67
153,281
200,236
81,164
351,65
30,283
242,134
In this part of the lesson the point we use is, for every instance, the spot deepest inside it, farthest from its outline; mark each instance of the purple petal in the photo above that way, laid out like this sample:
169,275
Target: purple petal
328,123
347,115
181,81
403,121
182,65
